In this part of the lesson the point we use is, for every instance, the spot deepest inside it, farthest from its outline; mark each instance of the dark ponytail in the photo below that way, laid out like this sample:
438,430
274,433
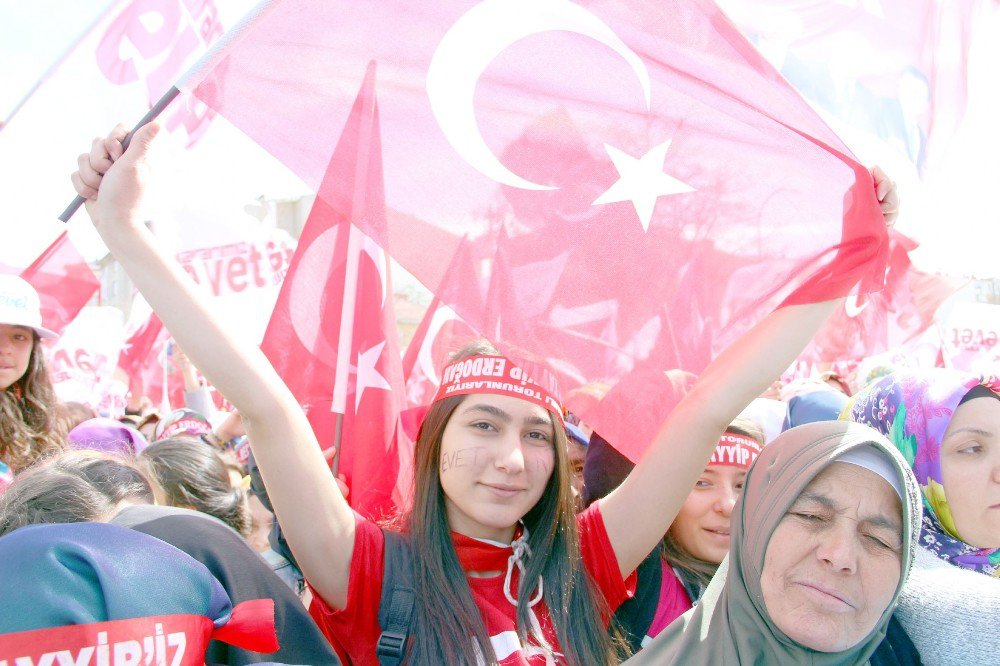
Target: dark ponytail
191,475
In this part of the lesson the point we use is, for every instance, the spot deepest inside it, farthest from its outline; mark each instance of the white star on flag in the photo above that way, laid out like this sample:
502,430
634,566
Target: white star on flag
368,376
641,181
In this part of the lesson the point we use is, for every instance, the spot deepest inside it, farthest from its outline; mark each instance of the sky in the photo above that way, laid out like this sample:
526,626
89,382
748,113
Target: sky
955,219
32,36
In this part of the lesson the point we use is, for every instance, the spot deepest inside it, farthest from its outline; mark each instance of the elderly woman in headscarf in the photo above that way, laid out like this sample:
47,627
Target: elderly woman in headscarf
822,542
947,426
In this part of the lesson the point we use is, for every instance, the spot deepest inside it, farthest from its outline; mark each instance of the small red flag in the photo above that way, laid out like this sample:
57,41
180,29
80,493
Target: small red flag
64,282
332,336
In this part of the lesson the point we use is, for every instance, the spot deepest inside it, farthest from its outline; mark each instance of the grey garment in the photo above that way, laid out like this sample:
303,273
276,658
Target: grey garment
136,514
200,401
950,613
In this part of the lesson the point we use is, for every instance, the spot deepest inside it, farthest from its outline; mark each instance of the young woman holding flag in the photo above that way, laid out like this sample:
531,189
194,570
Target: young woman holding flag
505,572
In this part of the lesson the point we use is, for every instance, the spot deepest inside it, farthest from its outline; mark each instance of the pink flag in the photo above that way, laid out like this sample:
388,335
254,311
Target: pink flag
891,319
441,333
639,185
64,282
332,336
144,359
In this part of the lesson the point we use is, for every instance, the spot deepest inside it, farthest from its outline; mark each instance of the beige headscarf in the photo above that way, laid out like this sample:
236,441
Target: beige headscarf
731,624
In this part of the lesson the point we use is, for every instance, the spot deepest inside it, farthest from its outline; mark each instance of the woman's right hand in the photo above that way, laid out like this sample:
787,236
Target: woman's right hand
113,180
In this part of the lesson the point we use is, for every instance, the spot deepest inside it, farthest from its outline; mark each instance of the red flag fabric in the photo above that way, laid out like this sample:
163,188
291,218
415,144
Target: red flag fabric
599,155
894,69
64,282
332,336
891,319
144,356
440,333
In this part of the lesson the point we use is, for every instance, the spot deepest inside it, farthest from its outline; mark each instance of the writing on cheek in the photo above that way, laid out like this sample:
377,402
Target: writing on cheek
467,457
544,466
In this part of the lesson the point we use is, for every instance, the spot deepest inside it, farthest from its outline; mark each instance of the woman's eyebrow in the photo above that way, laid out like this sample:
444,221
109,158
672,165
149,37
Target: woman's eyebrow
822,500
878,520
884,522
491,410
971,430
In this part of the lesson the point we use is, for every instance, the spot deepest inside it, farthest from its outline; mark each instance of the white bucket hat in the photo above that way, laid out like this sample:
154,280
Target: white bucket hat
20,306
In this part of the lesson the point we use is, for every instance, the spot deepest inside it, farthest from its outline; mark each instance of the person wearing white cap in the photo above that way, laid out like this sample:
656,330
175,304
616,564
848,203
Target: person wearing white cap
28,424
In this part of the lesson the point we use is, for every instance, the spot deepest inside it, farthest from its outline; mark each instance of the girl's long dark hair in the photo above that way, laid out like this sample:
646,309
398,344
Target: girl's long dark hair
449,625
29,424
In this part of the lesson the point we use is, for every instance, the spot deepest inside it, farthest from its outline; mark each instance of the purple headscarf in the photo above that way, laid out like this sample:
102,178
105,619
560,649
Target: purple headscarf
913,409
106,436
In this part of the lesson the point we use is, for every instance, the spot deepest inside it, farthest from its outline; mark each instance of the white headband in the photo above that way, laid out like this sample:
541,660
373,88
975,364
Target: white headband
873,461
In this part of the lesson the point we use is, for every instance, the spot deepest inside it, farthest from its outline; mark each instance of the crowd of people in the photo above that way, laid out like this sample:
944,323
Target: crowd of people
837,523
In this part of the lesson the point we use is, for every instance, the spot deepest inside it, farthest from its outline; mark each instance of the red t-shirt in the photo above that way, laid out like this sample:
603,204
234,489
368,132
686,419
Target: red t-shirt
355,630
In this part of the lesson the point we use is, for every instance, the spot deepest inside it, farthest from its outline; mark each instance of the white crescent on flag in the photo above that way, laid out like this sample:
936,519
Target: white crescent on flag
475,40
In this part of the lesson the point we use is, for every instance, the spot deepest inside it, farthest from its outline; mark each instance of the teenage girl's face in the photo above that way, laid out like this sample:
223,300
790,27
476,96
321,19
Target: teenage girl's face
702,525
15,353
970,469
497,455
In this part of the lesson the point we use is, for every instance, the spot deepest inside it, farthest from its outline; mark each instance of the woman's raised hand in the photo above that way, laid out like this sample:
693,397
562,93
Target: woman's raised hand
888,197
114,180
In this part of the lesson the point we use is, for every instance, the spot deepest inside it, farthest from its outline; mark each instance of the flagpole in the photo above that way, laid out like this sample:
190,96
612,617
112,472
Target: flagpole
151,115
192,77
346,338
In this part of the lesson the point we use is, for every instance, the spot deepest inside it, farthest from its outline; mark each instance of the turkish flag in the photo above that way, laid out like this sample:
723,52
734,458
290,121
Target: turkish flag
891,319
145,360
64,282
439,335
640,186
332,336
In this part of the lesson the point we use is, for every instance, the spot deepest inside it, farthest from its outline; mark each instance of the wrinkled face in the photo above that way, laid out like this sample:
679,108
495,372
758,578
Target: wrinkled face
970,470
15,353
833,562
497,455
702,525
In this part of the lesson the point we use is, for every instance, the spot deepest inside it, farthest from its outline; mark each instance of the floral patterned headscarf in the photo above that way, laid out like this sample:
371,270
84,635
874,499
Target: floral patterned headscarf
913,409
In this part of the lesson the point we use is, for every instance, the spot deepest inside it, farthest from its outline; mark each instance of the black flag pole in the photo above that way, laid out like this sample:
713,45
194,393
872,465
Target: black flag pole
150,116
190,79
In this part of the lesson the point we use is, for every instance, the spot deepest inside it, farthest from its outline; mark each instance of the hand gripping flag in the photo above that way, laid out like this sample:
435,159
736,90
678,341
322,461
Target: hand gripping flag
332,336
641,185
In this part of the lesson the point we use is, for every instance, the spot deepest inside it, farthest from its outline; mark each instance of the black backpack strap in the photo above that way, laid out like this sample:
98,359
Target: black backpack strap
634,615
395,609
